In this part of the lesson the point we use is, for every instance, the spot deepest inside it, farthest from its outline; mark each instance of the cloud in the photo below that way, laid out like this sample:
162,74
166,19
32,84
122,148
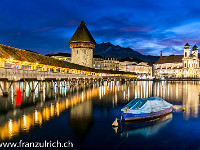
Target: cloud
147,26
136,28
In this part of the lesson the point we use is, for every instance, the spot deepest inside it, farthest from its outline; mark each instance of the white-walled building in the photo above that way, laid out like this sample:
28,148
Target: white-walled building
131,64
179,66
143,70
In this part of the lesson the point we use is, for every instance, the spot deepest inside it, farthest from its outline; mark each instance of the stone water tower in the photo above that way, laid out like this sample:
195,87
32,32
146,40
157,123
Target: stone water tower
82,45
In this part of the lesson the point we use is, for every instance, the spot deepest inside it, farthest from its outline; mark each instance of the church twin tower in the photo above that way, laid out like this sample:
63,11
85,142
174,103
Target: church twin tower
82,45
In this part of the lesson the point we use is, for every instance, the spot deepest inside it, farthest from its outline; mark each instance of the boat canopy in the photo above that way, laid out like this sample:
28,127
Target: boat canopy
146,105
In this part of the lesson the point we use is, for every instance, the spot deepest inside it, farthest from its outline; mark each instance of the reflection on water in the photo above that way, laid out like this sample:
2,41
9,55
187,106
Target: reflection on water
35,110
81,119
148,128
184,93
38,107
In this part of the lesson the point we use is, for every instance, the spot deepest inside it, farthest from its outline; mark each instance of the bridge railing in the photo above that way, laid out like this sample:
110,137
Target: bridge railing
18,74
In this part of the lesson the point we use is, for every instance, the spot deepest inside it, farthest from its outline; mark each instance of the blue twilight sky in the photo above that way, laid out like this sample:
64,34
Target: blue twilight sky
147,26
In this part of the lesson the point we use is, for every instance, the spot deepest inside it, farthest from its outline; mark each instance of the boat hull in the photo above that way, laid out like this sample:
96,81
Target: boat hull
130,116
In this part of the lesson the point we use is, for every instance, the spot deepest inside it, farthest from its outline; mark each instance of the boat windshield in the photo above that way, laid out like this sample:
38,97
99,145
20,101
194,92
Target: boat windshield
139,104
136,103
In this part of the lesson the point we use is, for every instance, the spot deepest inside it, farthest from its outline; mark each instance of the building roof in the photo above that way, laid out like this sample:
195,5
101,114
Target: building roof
195,47
82,34
60,54
169,59
187,45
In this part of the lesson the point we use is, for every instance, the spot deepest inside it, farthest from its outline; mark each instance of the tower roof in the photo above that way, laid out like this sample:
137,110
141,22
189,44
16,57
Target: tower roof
82,34
195,47
187,45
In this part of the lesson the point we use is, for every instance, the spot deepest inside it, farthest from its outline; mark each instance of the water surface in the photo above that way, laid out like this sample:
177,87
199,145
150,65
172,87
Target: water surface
84,114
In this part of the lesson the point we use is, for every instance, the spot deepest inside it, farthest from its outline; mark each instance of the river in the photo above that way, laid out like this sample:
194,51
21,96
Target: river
83,115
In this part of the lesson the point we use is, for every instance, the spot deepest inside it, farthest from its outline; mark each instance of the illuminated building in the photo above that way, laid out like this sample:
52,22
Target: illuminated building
98,62
82,45
105,63
178,66
111,64
130,64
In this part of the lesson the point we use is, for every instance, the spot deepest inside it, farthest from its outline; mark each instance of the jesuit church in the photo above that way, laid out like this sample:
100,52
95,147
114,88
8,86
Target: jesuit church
179,66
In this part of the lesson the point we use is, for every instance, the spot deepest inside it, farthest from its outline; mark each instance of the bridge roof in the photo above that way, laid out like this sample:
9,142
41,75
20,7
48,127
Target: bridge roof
32,57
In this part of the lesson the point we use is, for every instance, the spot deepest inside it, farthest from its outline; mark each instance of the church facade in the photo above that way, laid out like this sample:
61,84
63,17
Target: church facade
82,45
178,66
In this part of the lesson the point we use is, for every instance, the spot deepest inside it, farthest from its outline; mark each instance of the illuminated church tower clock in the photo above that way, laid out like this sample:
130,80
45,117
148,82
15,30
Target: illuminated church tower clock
82,45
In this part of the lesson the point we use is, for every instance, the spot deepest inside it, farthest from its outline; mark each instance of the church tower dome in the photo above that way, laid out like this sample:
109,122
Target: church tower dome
82,44
187,46
195,50
195,47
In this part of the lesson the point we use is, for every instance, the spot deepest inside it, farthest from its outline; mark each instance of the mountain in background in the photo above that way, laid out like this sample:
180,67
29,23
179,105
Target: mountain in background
107,49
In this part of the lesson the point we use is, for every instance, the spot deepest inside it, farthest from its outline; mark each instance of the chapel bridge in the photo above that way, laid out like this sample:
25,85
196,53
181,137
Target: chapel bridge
23,65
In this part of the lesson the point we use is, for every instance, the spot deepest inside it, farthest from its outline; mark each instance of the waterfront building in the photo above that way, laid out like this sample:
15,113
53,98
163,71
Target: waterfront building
126,64
98,62
106,63
61,56
130,64
178,66
143,70
111,64
82,45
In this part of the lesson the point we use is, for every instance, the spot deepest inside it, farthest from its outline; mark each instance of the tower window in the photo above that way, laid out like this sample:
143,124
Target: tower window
185,64
85,51
77,51
185,54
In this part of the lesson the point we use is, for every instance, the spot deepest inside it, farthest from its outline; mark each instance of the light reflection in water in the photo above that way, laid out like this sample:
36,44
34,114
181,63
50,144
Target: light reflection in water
146,129
81,119
37,107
